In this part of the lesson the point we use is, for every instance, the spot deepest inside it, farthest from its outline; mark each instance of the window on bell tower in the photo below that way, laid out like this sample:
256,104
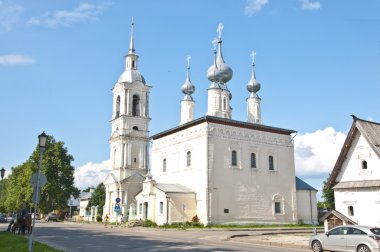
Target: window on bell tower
117,106
135,105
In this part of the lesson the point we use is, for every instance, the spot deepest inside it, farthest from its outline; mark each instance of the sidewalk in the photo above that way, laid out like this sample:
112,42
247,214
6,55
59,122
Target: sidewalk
297,241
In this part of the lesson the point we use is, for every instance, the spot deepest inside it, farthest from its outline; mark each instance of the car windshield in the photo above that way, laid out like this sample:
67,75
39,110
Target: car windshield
375,230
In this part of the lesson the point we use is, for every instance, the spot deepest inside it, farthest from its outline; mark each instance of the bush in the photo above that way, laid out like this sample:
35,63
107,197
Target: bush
149,223
99,218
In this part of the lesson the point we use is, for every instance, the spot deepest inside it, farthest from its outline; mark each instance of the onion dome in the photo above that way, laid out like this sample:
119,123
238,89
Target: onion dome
219,72
213,71
253,85
188,88
225,72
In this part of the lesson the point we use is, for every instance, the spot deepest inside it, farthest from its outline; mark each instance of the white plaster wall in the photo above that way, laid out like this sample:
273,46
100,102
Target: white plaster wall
174,148
307,206
365,201
352,169
248,193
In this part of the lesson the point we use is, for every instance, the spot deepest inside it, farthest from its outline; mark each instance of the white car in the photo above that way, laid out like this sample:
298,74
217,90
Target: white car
347,238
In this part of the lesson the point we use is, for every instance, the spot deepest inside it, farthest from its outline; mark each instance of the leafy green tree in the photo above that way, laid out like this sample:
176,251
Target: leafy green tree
98,198
18,191
56,165
328,196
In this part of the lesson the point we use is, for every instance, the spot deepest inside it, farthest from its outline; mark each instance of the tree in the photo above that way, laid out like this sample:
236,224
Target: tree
328,196
98,198
56,165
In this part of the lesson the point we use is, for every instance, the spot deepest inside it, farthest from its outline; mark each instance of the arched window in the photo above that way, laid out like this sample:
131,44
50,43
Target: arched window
164,165
350,211
253,160
188,159
117,106
135,105
364,164
234,158
271,163
135,128
133,64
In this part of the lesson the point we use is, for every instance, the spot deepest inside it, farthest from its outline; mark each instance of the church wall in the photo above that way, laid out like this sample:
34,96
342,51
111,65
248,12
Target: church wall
307,207
173,148
182,207
241,194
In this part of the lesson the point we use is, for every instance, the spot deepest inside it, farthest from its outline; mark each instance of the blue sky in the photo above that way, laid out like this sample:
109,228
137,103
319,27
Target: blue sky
318,62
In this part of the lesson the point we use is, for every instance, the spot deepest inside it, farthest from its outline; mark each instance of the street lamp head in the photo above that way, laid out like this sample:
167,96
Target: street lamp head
42,140
2,172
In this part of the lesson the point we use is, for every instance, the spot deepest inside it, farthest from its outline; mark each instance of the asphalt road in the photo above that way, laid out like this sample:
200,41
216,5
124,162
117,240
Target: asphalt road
76,237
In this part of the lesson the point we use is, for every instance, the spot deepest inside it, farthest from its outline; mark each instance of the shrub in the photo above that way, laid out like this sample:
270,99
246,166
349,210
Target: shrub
99,218
149,223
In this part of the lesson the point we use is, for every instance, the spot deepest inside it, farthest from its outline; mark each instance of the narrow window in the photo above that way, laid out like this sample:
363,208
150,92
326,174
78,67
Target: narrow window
364,164
226,210
161,207
350,211
224,103
233,158
117,106
136,105
271,163
277,207
164,165
133,64
253,160
140,208
188,159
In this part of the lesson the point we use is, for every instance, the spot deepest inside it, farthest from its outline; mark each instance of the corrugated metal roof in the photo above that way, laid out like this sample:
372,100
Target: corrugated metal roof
302,185
173,188
357,184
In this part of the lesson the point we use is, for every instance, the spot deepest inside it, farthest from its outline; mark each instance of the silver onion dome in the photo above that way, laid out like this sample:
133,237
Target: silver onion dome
253,85
219,72
213,73
188,88
225,72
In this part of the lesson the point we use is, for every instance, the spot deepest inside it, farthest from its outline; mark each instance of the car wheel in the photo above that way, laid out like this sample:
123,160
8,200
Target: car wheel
363,248
317,246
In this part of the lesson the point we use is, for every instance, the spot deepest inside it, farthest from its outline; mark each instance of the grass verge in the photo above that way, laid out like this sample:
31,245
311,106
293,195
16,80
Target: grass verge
10,243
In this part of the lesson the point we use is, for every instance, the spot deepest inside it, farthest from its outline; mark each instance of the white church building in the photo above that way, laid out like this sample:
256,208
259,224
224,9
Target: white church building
213,167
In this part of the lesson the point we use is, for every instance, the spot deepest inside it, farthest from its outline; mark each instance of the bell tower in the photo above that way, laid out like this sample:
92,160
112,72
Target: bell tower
130,119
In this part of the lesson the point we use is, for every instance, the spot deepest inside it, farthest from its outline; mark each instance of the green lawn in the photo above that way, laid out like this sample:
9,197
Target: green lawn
12,243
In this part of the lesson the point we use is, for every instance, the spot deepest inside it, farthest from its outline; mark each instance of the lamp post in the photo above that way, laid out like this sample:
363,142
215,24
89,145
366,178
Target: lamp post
2,173
42,138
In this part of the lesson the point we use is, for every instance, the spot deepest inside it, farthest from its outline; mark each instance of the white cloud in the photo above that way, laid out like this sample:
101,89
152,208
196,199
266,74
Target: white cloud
15,59
9,15
83,13
91,174
316,153
308,5
253,6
